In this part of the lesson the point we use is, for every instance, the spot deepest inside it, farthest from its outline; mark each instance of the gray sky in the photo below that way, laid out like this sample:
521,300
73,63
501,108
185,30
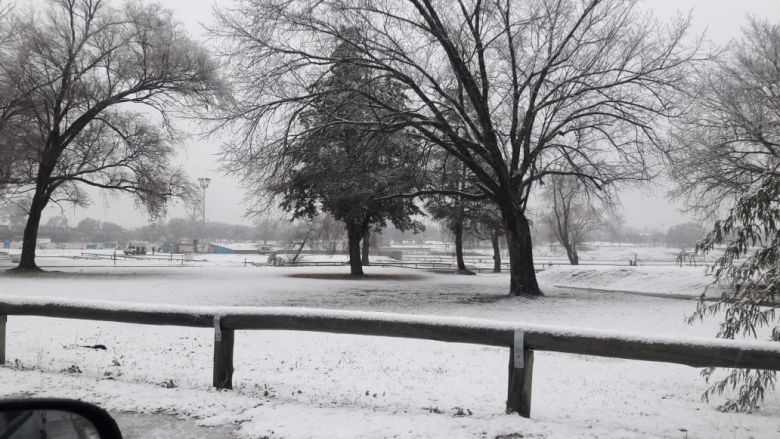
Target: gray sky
720,19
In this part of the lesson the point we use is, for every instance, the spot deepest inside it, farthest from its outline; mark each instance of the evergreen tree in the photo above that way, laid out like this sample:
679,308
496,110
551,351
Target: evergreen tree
345,161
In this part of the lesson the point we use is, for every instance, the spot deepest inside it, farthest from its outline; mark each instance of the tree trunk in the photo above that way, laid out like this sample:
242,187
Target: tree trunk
457,230
366,244
354,234
571,253
521,258
30,240
300,248
496,252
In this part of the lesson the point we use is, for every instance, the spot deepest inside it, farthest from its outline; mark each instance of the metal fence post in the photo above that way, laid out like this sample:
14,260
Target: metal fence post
3,320
223,356
521,367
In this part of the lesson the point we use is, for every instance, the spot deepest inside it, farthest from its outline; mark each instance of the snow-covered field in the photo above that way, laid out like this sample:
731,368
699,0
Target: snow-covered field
52,259
605,251
301,385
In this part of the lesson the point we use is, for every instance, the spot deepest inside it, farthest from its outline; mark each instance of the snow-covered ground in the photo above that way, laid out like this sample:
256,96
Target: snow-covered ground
605,251
680,282
301,385
76,258
591,253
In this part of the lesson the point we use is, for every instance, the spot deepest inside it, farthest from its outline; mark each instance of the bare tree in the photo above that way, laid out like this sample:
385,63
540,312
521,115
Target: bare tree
7,26
486,223
8,153
448,177
732,138
572,214
86,77
522,77
7,23
729,157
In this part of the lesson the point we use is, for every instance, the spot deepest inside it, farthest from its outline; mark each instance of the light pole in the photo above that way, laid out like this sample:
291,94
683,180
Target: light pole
203,182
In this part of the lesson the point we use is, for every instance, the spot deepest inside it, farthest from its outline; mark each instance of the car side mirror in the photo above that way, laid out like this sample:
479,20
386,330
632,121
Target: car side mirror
55,419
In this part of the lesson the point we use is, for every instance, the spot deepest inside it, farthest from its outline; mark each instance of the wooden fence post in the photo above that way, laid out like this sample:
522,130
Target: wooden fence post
521,368
223,356
3,320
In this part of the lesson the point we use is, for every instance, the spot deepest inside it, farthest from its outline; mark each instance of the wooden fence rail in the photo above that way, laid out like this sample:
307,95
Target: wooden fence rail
430,266
521,339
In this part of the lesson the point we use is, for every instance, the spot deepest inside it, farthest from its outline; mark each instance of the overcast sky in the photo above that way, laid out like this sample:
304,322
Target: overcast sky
720,19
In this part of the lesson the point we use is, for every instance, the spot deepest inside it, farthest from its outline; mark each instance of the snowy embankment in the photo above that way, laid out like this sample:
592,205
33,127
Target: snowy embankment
675,282
301,385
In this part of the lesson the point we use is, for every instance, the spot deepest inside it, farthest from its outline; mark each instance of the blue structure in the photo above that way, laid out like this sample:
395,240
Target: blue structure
222,250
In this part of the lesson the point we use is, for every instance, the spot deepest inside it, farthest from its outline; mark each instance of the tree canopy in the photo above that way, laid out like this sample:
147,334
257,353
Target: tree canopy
342,159
85,76
522,78
572,212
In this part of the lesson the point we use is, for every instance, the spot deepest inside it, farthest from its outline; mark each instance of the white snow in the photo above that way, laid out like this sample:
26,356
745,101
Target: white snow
683,281
300,385
620,253
78,258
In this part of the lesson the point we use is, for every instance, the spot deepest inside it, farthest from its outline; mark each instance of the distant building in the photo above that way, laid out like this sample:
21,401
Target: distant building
101,245
219,249
233,248
184,247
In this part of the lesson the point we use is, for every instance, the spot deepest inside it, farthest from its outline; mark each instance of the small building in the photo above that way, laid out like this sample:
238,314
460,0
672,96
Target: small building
220,249
184,247
110,245
242,248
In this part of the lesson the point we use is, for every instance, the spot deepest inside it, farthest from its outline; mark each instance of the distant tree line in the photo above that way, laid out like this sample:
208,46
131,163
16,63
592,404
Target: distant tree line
329,233
175,230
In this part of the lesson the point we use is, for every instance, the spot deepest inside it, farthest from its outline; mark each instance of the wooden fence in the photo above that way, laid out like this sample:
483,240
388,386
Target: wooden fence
521,339
420,265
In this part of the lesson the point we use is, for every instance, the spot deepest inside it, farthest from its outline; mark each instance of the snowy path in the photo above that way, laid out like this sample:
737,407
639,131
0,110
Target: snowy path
160,426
